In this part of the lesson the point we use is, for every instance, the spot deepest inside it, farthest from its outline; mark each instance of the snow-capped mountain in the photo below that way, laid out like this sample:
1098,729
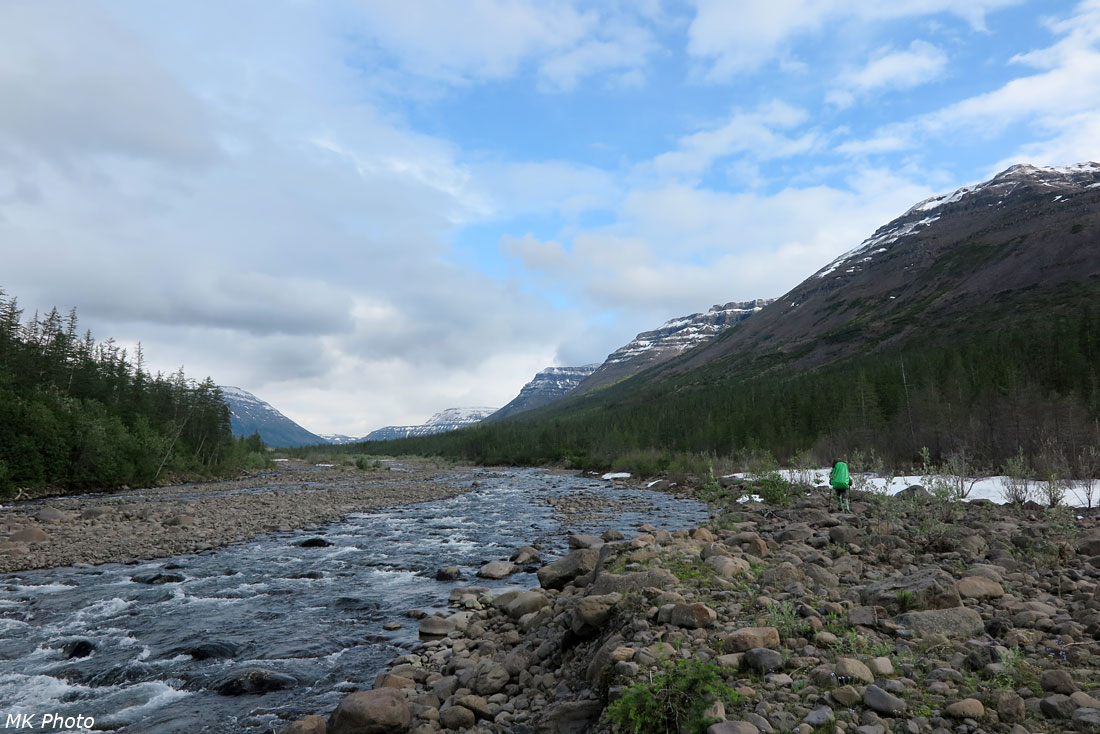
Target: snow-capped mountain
446,420
672,338
339,438
1025,235
546,387
248,414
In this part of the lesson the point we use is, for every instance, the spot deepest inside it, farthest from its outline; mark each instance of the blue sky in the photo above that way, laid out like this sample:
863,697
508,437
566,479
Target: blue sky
366,212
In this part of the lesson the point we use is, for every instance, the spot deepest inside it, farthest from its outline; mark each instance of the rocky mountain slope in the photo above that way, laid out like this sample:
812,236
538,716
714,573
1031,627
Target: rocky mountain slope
248,414
671,339
447,420
546,387
1027,231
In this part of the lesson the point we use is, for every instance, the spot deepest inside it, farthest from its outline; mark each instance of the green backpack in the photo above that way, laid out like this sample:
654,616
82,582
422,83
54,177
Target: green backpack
839,477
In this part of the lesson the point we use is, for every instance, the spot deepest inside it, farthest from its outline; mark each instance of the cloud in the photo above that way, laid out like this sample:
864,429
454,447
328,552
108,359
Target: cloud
755,133
919,64
732,38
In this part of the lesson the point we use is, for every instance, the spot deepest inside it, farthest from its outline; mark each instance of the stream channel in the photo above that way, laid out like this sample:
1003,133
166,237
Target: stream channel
314,613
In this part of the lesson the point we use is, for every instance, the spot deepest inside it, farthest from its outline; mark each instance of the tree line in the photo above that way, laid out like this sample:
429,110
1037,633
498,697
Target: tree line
1018,375
79,414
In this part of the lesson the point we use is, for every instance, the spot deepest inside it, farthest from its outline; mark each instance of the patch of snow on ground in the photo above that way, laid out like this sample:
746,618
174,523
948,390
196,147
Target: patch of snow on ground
616,475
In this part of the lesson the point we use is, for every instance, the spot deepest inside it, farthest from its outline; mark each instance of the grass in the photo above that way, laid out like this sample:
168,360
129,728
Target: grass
673,700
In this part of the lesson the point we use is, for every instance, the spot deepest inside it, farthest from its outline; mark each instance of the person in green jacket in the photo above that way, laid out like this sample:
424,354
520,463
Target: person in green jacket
841,482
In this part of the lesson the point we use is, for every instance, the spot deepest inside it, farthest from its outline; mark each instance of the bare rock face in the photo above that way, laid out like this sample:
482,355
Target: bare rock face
380,711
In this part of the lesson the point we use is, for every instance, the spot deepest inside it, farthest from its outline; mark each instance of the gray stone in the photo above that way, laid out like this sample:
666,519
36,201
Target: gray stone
525,602
1058,706
436,627
592,612
979,587
457,717
848,669
1011,708
958,623
747,638
497,570
1057,681
762,659
882,702
585,541
864,616
968,708
733,727
559,573
932,588
693,616
819,716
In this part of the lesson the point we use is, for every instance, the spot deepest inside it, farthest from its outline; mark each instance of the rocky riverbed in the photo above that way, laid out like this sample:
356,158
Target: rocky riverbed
908,615
166,521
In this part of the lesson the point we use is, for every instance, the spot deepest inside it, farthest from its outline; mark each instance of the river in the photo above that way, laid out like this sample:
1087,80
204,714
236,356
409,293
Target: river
319,614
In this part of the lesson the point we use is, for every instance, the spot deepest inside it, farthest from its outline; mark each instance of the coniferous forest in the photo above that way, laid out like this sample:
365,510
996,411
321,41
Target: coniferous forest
77,414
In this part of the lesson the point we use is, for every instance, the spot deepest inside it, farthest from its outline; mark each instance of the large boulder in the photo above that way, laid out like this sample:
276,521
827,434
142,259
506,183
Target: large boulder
979,587
693,616
497,570
378,711
932,588
253,680
559,573
592,612
525,602
748,638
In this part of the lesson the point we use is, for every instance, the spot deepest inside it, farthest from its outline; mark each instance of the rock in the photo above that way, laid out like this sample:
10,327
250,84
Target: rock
436,627
314,543
457,717
1087,719
379,711
693,616
819,716
572,716
882,702
448,573
763,660
1084,700
979,587
958,623
525,556
1011,708
78,648
862,616
392,680
747,638
177,521
253,680
52,514
154,578
491,679
525,602
559,573
209,650
624,583
968,708
848,669
309,725
497,570
1058,706
843,534
728,567
795,533
880,666
932,588
584,541
592,612
1057,681
846,696
782,576
29,535
733,727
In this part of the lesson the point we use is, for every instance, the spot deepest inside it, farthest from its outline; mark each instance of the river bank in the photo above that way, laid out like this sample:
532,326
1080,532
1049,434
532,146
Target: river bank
158,522
910,615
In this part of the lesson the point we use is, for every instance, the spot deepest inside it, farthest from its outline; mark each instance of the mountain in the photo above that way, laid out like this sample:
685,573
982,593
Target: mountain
969,325
673,338
338,438
447,420
546,387
248,414
1025,231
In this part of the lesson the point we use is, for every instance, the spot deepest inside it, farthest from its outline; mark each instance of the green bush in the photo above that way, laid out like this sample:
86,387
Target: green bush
673,700
773,488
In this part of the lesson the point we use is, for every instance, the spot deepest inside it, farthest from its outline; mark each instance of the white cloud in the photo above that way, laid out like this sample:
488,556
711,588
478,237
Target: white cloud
755,133
741,37
919,64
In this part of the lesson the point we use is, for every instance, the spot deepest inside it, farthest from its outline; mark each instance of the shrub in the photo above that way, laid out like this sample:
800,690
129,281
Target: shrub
1016,483
673,700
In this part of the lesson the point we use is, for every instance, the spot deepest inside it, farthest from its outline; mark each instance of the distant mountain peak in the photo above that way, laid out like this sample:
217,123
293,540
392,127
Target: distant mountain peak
249,414
545,387
445,420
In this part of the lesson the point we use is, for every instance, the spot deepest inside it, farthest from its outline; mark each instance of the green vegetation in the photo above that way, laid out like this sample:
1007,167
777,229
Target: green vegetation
673,701
76,414
1018,372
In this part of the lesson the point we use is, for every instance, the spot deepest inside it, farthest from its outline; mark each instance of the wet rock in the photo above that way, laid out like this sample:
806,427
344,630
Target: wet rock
448,573
211,650
497,570
436,627
379,711
559,573
882,702
309,725
252,681
314,543
78,648
155,578
525,556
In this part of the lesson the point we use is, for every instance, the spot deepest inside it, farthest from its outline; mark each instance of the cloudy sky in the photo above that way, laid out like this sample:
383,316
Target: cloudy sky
367,211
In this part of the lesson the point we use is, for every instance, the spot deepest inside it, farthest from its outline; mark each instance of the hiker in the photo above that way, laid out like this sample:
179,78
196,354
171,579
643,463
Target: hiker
841,481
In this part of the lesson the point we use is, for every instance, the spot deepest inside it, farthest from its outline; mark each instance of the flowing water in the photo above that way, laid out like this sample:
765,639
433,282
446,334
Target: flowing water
314,613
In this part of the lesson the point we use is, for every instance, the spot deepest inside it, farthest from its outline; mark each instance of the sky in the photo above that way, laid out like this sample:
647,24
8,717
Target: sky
365,212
